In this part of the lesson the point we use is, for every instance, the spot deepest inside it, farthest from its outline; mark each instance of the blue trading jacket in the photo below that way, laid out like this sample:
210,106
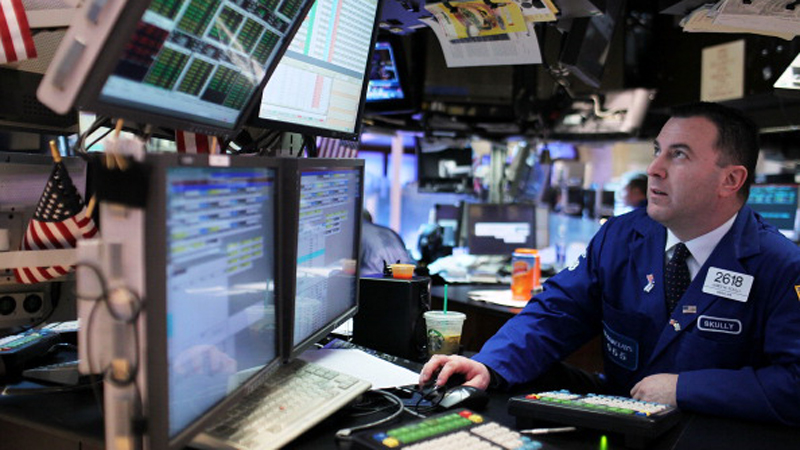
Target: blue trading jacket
734,358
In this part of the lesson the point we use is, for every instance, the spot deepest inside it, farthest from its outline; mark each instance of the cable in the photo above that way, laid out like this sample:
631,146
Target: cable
345,433
103,136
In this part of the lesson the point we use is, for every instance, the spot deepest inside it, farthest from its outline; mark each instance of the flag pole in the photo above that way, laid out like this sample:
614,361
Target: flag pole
90,206
112,158
54,152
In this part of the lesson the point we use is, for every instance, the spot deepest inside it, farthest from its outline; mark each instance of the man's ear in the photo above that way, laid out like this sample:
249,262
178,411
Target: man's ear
735,178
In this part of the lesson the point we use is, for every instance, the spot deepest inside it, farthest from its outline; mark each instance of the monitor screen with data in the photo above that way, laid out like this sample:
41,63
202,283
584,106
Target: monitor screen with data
326,248
320,83
494,229
777,204
188,64
213,325
384,77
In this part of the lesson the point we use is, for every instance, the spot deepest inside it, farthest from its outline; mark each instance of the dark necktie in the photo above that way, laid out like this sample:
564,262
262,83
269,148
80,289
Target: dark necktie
676,276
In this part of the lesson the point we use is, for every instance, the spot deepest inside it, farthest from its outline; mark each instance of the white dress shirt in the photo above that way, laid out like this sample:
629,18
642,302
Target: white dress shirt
700,247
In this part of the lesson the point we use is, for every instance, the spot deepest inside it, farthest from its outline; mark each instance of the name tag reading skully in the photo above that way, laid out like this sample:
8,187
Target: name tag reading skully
724,283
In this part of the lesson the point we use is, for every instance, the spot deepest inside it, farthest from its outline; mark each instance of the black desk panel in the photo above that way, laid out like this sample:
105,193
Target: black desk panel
73,421
694,432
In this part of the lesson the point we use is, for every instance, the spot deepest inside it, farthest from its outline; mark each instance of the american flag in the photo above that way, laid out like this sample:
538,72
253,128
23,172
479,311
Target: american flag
16,40
194,142
336,148
59,221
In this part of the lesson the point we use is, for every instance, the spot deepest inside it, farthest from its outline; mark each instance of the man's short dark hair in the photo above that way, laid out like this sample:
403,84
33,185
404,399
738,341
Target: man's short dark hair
638,182
737,138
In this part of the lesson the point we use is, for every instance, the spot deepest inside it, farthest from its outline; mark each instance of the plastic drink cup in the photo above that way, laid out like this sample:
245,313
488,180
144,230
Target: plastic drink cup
525,273
444,331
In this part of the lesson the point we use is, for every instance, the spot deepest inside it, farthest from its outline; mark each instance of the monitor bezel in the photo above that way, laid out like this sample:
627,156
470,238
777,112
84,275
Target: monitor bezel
157,389
470,233
354,135
88,97
294,169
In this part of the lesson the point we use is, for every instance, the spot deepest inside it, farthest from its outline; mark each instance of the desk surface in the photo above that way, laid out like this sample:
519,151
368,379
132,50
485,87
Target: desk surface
693,432
459,293
72,420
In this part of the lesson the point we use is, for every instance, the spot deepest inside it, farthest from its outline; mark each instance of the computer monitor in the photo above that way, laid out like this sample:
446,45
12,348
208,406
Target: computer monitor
586,45
607,200
195,66
778,205
384,80
495,229
212,325
444,165
320,83
390,89
323,239
448,217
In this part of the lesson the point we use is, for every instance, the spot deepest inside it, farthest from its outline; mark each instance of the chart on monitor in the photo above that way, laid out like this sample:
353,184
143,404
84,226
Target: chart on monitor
320,83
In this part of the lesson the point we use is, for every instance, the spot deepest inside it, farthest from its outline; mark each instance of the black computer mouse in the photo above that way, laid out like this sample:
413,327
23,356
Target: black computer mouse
464,397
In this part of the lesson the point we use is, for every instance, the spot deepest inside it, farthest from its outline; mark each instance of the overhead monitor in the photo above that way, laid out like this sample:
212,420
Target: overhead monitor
211,281
319,85
444,165
586,45
384,81
322,292
778,205
390,89
789,81
186,64
495,229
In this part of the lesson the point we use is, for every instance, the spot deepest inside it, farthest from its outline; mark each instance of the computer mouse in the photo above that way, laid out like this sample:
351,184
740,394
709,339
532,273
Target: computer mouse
464,397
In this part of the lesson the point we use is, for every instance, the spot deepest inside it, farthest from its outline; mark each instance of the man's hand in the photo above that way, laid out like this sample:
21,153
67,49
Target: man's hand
476,374
659,388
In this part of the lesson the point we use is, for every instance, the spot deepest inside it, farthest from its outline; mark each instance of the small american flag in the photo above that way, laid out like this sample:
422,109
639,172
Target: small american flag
59,221
195,142
16,40
336,148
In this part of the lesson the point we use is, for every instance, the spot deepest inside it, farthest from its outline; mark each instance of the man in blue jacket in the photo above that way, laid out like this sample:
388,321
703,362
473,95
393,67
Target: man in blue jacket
729,345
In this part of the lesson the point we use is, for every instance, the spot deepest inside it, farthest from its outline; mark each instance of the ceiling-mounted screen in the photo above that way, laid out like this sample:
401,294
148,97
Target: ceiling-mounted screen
188,64
319,84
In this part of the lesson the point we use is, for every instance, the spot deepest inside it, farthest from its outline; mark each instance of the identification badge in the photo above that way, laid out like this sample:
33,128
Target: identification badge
731,285
719,325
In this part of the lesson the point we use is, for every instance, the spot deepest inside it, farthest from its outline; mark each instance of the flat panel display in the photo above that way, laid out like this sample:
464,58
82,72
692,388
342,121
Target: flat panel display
196,65
319,84
384,78
494,229
777,204
212,309
327,248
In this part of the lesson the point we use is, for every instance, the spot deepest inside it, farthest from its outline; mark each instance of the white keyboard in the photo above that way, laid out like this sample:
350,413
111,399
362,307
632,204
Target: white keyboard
297,397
